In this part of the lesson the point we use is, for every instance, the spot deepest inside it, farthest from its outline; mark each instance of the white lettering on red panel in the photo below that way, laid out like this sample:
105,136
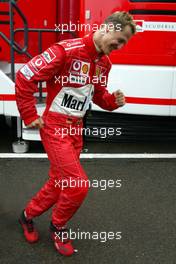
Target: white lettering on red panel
155,26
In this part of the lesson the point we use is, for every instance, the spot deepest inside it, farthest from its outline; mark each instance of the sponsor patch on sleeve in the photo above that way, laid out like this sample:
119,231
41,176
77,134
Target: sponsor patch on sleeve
38,63
27,72
100,71
48,55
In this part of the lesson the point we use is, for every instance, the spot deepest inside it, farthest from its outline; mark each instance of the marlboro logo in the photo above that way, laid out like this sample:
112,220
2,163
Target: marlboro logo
72,102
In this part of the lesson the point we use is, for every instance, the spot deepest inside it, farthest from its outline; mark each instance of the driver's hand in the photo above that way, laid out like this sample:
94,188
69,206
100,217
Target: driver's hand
38,123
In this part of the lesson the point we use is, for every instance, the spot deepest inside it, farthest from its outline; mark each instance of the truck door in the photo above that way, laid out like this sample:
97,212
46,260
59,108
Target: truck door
145,68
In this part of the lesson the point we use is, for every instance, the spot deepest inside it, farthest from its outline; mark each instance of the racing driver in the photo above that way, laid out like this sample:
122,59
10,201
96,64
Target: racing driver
69,68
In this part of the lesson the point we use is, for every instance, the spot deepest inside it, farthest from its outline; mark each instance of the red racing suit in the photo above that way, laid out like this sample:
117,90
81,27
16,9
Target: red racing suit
75,74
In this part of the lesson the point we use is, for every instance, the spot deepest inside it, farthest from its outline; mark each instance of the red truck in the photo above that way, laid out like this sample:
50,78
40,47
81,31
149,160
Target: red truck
145,69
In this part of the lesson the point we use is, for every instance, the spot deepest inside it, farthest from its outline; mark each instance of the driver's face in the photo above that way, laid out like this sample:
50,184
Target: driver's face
115,40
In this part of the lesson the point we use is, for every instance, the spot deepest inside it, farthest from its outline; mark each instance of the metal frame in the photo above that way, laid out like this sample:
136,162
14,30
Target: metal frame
15,47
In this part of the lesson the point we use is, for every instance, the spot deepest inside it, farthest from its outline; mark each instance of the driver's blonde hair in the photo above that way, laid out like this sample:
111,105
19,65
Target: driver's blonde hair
121,19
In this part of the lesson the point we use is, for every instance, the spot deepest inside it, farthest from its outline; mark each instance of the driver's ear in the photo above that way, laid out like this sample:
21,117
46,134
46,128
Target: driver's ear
104,29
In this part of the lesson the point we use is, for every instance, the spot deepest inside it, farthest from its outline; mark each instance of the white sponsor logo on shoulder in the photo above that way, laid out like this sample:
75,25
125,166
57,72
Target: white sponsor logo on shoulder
26,71
48,55
155,26
70,44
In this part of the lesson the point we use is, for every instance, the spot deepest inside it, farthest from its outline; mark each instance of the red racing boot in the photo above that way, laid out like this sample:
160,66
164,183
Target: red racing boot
30,233
61,241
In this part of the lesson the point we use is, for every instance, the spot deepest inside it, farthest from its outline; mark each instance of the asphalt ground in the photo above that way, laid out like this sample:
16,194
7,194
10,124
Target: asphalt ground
142,209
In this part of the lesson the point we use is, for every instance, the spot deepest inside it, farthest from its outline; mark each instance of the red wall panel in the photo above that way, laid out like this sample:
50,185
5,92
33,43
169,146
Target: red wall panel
146,48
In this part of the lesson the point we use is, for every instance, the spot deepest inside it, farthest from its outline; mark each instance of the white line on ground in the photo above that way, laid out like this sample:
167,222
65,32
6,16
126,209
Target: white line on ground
96,155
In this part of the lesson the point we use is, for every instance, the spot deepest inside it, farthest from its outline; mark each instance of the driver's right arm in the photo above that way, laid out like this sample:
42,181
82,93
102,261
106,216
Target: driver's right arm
41,68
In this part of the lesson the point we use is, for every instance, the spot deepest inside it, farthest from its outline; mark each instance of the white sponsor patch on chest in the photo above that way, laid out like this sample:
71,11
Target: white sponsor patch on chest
79,68
73,101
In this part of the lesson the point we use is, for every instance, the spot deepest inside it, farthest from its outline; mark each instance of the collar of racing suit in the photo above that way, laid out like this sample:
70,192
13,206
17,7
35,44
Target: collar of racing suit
90,45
